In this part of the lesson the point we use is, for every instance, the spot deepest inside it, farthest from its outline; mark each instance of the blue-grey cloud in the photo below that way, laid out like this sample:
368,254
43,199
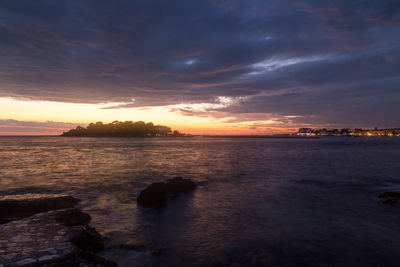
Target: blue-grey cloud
322,61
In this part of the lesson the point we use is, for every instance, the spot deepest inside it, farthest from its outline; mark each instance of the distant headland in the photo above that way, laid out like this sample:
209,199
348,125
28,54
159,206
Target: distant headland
123,129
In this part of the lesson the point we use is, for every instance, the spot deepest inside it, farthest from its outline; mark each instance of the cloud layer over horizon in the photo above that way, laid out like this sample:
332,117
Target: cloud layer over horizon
302,62
11,126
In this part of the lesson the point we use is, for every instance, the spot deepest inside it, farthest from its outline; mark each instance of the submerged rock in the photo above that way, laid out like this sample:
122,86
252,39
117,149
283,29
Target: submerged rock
389,197
13,207
157,192
44,240
72,217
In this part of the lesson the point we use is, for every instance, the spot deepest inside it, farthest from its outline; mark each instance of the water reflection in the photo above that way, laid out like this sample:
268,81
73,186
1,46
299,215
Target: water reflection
259,201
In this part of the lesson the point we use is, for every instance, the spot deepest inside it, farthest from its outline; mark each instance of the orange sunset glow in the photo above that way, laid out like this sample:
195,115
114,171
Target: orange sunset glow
45,113
191,133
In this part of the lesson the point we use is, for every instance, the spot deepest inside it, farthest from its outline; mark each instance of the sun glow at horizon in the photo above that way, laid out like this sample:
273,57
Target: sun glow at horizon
83,114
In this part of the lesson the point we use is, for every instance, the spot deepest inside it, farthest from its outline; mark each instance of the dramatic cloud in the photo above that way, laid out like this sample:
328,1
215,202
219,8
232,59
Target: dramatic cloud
286,62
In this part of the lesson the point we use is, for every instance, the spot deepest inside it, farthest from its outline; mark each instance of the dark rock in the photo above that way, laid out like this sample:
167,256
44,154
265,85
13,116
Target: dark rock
179,185
52,239
86,238
155,193
95,259
72,217
389,197
41,240
72,259
78,258
14,207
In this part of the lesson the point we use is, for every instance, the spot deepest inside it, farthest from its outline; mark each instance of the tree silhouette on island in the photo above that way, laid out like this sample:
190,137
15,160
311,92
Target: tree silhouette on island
123,129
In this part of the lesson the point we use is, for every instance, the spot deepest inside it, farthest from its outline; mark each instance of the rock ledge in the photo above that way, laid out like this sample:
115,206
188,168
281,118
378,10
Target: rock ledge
60,237
14,207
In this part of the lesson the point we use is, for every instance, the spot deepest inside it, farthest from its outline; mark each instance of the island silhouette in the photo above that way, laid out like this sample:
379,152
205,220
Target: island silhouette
123,129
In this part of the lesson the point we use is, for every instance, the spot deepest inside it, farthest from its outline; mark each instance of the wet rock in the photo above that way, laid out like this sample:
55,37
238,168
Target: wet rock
72,217
179,185
86,237
71,259
94,259
44,240
389,197
26,261
14,207
155,193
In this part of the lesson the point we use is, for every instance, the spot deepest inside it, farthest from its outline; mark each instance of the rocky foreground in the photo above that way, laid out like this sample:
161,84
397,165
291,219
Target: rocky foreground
57,235
48,230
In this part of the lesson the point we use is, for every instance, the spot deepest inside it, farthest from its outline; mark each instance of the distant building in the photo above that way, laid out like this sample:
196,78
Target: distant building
306,132
348,132
382,132
323,132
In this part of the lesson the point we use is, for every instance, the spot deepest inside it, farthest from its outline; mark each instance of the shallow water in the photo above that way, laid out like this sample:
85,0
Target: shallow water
285,202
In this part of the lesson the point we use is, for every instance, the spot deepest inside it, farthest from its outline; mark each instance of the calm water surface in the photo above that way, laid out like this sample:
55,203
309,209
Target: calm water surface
259,201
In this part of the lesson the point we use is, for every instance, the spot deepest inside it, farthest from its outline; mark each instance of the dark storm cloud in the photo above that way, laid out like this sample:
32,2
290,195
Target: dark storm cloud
323,61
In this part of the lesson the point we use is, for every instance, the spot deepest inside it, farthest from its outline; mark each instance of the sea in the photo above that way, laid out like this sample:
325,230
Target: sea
259,201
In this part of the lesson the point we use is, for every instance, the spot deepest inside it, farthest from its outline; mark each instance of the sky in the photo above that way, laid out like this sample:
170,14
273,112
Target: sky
199,66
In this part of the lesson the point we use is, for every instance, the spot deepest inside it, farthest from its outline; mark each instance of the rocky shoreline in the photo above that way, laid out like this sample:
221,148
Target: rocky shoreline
47,230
